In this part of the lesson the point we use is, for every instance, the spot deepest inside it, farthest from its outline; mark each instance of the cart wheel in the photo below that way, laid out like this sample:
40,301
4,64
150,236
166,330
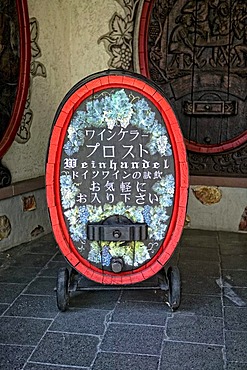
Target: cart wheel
174,291
62,288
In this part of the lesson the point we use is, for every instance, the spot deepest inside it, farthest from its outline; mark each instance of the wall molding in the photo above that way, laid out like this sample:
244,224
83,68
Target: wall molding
22,187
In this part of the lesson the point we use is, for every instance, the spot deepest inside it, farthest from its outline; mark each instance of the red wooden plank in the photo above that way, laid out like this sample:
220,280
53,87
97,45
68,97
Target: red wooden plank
107,279
139,84
114,79
165,107
50,196
129,81
72,259
49,174
104,81
158,97
98,277
127,279
136,277
149,90
147,273
68,106
56,133
156,267
91,85
75,98
61,119
164,257
183,197
52,153
54,216
82,91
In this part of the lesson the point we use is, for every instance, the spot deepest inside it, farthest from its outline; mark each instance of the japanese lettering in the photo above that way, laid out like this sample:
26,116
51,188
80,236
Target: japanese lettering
116,165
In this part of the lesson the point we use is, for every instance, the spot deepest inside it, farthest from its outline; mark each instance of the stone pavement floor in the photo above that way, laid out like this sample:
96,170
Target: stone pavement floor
127,329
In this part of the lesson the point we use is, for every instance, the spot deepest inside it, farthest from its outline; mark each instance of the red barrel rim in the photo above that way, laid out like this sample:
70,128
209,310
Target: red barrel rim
80,92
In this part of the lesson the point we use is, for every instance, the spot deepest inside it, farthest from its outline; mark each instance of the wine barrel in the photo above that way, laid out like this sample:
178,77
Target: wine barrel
116,178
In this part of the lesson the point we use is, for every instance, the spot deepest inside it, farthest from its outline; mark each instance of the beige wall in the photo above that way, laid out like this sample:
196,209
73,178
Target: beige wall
224,215
68,35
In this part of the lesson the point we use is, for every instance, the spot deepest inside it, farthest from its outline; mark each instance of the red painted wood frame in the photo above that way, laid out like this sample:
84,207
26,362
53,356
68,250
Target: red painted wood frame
73,99
23,81
143,65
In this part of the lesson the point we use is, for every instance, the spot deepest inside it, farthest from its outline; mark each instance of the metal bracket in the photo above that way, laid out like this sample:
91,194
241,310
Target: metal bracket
117,228
211,108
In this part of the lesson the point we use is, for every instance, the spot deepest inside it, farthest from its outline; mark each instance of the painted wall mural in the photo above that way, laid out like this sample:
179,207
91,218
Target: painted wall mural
207,195
5,227
119,40
36,69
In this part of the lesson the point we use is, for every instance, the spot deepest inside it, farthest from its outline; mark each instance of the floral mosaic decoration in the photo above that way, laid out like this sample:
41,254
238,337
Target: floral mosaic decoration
110,110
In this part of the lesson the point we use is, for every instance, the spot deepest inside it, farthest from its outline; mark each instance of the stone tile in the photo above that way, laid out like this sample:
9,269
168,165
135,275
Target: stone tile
198,254
22,330
187,356
9,292
202,285
36,366
29,260
17,275
236,346
3,307
83,321
199,238
238,262
148,313
59,257
34,306
140,339
233,249
200,305
236,318
14,357
42,285
104,300
51,269
120,361
143,295
66,349
230,238
199,269
44,245
236,366
235,297
196,329
234,278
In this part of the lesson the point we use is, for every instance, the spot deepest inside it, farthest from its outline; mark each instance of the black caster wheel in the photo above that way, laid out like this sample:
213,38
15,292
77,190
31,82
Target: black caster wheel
62,289
174,287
